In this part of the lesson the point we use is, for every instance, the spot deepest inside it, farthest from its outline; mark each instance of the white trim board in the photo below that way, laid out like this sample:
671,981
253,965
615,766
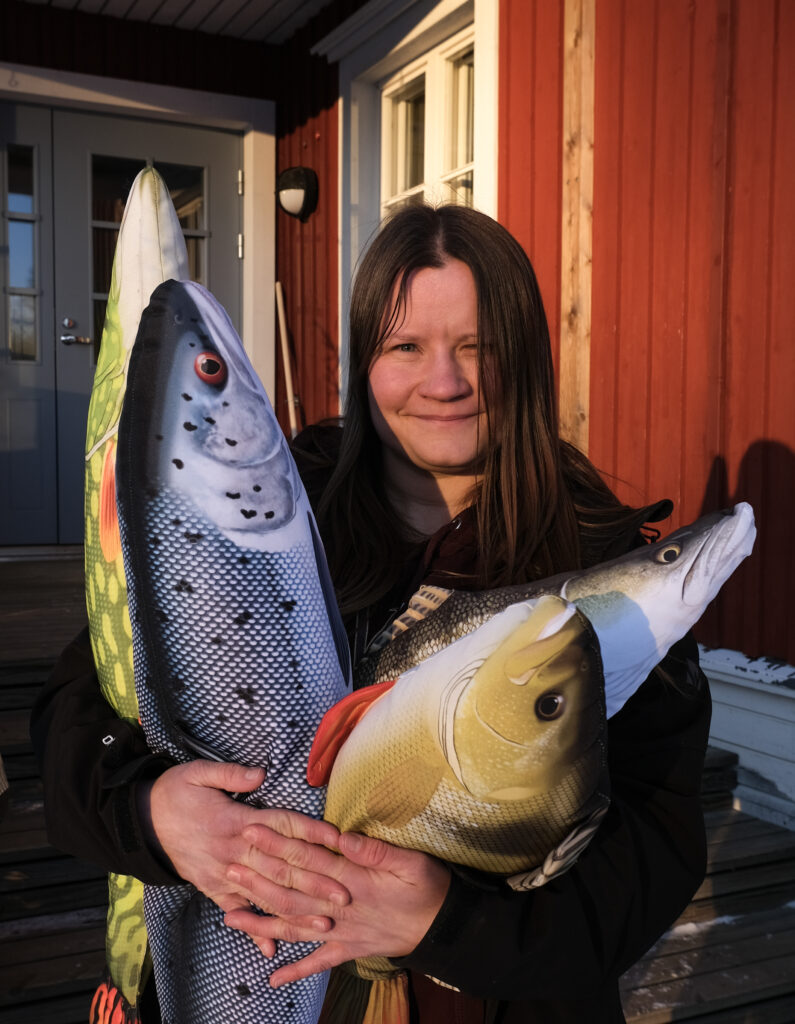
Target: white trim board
372,44
255,119
754,716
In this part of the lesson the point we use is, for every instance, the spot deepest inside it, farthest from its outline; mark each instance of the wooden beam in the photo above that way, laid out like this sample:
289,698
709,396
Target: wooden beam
577,220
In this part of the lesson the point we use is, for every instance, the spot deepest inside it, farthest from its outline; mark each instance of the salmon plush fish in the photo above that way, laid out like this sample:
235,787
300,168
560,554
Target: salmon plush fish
150,249
238,646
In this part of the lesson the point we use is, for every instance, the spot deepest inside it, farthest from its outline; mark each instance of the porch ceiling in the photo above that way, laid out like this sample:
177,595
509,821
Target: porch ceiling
264,21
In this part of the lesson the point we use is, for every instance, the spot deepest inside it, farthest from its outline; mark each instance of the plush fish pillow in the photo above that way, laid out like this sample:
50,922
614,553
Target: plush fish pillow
489,749
238,646
150,249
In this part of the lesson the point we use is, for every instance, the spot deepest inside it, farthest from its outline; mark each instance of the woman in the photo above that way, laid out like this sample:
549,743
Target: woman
448,470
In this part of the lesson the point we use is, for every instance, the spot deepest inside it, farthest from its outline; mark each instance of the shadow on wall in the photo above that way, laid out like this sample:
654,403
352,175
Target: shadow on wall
752,614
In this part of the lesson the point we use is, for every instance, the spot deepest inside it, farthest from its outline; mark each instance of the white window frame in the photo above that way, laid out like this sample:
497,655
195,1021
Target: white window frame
437,70
376,42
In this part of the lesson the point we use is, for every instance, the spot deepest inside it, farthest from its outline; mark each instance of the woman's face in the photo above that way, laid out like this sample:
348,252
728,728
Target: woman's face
423,388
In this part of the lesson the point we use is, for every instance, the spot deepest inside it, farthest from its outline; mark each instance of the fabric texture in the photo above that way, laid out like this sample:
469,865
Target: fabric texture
551,956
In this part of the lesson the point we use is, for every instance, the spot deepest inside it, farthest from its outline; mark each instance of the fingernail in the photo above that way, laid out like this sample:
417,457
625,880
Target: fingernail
233,874
252,774
353,842
338,899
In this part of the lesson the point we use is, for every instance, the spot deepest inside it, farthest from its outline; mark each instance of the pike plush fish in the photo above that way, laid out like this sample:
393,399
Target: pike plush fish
239,650
150,249
489,750
495,726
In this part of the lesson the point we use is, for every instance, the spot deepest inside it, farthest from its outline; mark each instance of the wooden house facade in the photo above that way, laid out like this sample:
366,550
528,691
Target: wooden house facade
639,151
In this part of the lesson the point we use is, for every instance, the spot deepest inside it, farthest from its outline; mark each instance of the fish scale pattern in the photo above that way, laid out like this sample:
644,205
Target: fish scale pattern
190,940
243,652
208,598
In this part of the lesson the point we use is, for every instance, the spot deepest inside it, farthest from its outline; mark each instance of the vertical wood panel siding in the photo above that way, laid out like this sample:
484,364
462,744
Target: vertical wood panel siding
307,254
693,363
67,40
530,138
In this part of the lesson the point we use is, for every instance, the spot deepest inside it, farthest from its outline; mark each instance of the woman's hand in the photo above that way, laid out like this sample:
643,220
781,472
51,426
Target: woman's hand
200,827
393,895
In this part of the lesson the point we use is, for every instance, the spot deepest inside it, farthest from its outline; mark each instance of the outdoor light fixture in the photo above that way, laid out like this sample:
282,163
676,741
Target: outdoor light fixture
297,190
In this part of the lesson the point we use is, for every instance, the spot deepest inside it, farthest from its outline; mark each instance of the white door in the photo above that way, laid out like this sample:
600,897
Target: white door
65,179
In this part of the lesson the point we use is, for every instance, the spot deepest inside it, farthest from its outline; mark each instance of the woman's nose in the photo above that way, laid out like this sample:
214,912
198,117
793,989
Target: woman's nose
446,378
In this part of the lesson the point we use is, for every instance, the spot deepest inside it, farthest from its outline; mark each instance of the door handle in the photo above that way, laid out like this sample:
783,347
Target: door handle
75,339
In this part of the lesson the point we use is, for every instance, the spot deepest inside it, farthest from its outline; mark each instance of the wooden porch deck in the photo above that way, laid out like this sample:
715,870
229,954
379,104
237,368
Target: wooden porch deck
729,959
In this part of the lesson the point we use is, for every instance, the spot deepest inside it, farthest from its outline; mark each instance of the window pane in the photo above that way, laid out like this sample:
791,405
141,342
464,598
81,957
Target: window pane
460,189
195,247
22,327
103,249
111,179
463,112
21,259
20,179
186,188
408,137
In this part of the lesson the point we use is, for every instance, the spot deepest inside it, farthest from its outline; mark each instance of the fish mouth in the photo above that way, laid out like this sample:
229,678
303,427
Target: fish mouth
728,542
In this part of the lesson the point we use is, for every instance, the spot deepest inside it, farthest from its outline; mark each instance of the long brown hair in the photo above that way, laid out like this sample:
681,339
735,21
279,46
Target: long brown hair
536,492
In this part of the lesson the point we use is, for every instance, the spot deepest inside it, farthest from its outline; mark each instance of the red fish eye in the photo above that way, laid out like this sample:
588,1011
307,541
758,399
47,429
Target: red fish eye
210,368
550,706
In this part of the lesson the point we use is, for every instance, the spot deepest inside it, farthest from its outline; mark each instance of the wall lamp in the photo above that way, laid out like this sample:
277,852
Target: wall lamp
297,192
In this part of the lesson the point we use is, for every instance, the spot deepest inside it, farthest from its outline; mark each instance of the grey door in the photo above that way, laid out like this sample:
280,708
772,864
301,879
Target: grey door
27,353
79,169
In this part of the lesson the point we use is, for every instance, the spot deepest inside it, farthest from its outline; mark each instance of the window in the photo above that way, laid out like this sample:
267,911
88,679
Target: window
22,264
427,127
111,179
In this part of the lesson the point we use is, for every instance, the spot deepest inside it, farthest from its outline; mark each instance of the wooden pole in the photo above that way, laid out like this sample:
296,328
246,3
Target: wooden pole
577,220
288,370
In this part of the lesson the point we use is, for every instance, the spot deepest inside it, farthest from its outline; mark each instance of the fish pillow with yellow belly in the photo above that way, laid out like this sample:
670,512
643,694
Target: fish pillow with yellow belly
489,749
489,753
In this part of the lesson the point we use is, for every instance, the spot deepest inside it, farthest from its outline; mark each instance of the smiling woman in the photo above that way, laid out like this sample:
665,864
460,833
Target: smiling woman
425,401
448,472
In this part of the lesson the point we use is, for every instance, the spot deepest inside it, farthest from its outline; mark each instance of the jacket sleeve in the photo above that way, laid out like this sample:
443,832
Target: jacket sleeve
93,765
578,933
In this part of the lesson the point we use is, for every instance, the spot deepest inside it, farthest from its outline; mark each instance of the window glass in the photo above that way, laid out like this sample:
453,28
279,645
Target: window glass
408,137
21,256
22,327
19,268
20,179
463,110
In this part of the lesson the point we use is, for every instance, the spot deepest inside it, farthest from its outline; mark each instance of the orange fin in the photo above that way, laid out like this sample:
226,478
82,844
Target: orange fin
109,537
336,726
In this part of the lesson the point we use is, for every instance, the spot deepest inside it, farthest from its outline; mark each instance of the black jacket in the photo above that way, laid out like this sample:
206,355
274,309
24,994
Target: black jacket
551,956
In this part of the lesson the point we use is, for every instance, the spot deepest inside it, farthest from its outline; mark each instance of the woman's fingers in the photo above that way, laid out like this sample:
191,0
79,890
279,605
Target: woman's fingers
266,932
306,895
321,959
289,825
287,875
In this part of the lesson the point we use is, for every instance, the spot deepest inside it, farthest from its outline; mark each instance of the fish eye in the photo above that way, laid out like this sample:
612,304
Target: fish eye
550,706
210,368
668,554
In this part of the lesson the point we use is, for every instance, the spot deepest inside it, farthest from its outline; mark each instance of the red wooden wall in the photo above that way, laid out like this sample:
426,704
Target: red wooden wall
307,254
530,120
692,358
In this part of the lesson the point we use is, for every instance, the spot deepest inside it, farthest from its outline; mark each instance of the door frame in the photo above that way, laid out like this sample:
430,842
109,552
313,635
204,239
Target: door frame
256,119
